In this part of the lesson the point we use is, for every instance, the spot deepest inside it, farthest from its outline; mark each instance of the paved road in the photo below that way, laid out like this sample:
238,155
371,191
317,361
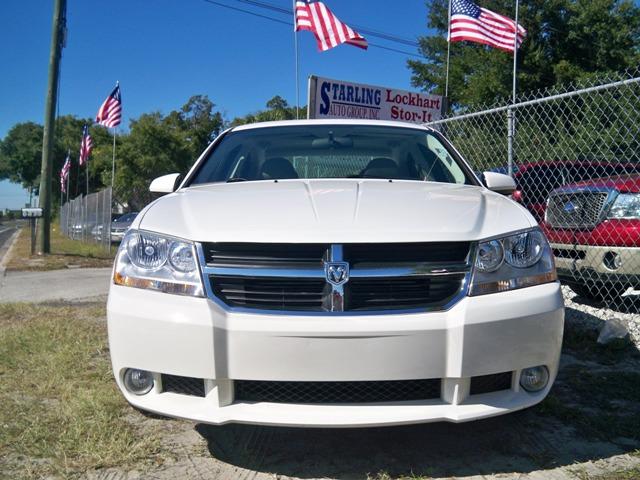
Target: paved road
70,285
6,232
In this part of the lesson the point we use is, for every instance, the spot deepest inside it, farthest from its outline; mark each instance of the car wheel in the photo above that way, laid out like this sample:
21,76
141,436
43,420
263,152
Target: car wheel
599,292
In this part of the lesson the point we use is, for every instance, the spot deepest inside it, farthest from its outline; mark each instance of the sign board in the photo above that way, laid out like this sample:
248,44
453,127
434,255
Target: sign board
31,212
339,99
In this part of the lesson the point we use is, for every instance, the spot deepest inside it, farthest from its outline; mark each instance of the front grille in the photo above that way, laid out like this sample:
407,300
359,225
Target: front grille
281,255
292,277
490,383
336,392
401,292
183,385
569,253
270,293
580,209
368,254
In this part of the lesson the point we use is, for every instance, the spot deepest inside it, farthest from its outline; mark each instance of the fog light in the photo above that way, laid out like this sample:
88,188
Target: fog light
137,381
612,261
534,379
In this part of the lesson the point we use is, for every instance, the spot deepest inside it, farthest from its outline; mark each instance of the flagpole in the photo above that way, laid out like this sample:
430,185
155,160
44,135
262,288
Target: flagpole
515,54
86,169
77,177
295,42
113,160
446,82
511,121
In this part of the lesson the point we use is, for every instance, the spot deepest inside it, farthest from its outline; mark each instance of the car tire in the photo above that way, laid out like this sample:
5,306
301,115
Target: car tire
599,292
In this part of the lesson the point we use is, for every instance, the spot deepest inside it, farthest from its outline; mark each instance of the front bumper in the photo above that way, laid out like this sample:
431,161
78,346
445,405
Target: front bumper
117,236
194,337
588,264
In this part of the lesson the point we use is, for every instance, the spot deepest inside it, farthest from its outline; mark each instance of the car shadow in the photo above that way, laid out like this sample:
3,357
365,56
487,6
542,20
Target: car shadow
520,442
628,303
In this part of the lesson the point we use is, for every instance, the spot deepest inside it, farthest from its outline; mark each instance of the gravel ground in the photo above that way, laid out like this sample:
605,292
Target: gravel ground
583,313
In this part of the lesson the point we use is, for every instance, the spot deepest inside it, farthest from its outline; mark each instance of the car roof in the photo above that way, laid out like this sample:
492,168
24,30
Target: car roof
307,122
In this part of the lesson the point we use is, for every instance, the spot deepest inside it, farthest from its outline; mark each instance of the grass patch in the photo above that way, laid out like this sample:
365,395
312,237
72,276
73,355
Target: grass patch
583,344
64,253
61,411
631,474
599,404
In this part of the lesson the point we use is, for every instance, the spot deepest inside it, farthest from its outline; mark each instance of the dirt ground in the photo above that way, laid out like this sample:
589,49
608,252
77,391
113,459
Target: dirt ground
589,427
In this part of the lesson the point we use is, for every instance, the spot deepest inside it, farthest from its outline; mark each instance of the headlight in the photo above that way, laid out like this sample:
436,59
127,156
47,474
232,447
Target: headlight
514,261
626,205
157,262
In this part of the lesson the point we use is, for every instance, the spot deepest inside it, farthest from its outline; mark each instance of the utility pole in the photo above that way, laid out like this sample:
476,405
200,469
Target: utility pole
57,40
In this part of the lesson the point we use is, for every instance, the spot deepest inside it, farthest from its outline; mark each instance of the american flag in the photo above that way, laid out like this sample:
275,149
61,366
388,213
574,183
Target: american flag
477,24
110,111
328,30
64,173
85,146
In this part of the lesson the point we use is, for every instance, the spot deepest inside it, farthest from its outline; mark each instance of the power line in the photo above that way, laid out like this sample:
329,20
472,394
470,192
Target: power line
374,33
290,24
249,12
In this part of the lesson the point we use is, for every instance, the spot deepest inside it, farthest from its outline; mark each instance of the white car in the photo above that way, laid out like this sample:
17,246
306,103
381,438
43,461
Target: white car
334,273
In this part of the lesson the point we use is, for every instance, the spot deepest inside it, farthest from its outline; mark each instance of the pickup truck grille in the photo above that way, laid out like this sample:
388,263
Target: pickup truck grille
581,209
294,278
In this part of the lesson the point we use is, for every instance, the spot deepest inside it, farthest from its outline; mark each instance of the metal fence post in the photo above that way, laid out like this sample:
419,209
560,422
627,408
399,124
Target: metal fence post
510,132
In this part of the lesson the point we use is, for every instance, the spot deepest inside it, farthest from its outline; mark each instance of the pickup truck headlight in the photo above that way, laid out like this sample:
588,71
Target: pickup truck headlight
626,205
519,260
157,262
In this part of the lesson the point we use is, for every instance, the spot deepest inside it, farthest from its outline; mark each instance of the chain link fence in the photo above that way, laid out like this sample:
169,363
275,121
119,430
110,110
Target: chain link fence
88,218
575,158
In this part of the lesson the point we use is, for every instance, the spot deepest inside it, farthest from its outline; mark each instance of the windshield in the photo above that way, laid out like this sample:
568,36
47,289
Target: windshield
331,151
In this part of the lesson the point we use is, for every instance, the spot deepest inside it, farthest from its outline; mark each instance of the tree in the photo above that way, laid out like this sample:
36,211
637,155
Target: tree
277,109
21,154
157,145
567,40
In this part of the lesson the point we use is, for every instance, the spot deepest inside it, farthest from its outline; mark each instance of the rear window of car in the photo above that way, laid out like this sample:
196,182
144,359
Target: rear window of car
332,151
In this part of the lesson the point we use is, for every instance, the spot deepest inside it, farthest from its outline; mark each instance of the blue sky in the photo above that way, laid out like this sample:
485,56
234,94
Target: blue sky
164,51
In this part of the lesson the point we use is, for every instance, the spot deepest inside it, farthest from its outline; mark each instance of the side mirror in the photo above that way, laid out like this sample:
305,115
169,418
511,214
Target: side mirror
166,183
499,182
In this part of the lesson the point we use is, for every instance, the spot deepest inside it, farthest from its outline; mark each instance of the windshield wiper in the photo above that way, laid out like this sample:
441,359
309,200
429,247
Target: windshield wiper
236,179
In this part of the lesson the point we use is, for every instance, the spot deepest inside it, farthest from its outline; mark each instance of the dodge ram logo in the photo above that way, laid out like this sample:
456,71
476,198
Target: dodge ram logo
337,273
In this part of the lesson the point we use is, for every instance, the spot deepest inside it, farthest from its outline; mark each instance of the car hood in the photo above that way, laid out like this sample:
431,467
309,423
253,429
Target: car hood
333,211
623,183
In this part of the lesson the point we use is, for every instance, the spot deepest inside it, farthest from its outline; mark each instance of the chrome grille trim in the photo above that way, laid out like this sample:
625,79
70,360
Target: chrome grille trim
334,303
591,205
418,270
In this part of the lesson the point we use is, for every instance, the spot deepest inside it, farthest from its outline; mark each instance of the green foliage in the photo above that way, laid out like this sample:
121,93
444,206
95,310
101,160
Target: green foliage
567,40
155,145
277,109
158,145
21,153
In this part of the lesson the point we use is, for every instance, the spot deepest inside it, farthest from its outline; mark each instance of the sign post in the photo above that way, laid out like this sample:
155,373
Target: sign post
32,214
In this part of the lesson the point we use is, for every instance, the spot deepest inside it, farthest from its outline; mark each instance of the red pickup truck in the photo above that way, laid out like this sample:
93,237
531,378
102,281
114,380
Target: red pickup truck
535,180
594,230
